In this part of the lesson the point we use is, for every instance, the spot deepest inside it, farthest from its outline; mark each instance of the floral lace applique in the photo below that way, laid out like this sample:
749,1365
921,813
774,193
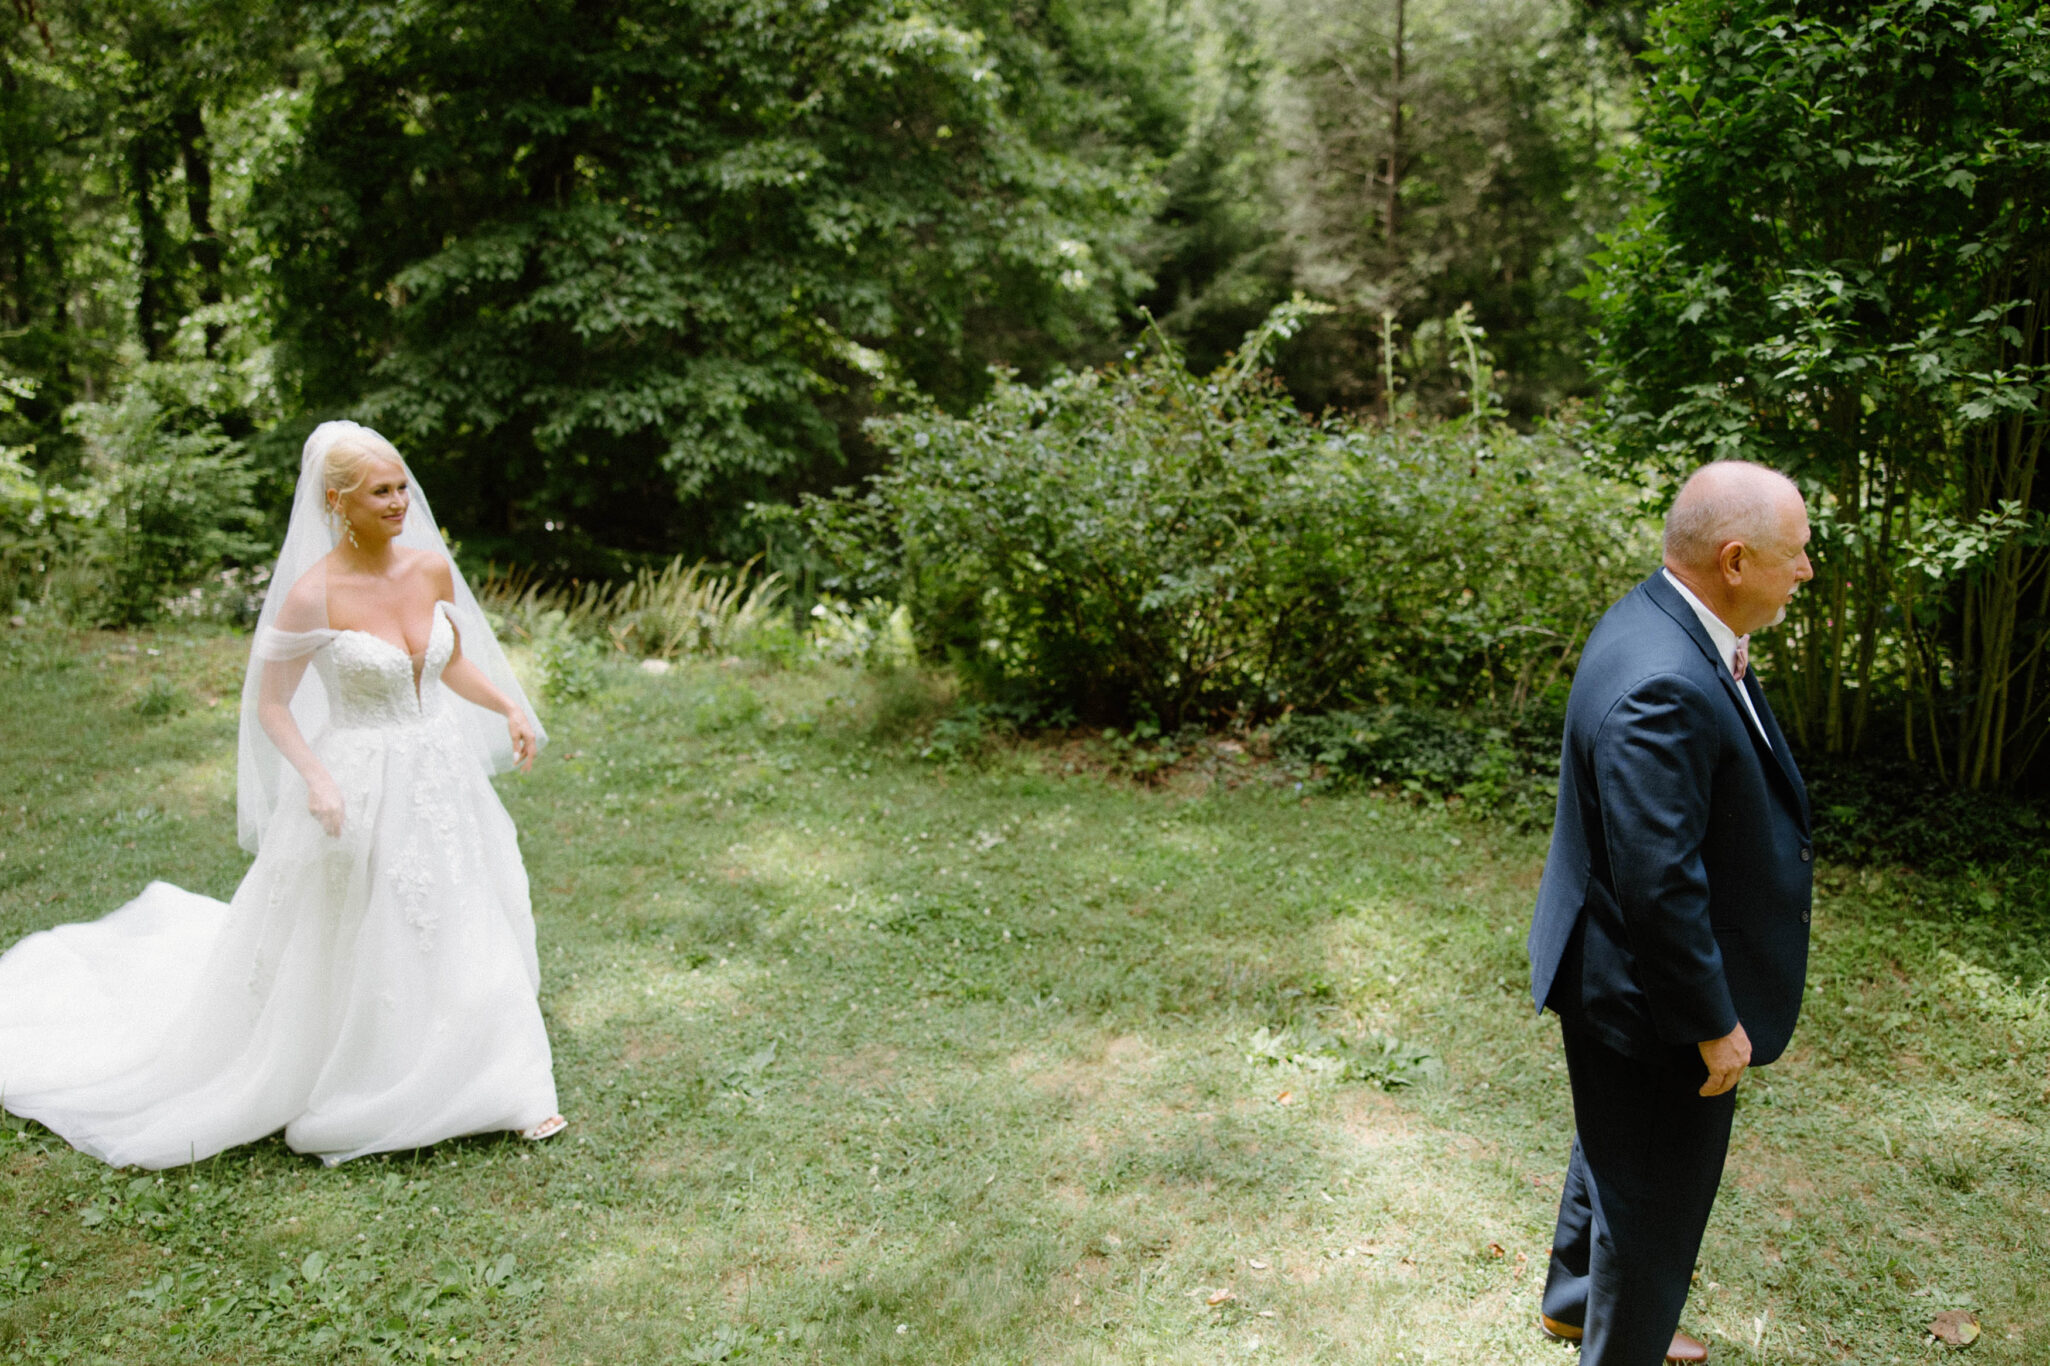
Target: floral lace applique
411,882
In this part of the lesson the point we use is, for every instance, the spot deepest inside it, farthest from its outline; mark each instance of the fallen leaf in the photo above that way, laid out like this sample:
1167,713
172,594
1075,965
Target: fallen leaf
1217,1297
1256,1264
1266,1313
1958,1327
1495,1250
1284,1098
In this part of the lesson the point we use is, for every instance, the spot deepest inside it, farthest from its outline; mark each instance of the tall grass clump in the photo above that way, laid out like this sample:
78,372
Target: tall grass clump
1138,542
662,614
683,610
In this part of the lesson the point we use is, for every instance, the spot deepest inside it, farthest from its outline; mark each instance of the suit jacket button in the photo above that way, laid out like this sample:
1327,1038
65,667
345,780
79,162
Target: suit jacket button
1804,916
1807,854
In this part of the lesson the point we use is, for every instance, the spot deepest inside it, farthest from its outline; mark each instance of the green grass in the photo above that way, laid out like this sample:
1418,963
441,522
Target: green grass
873,1061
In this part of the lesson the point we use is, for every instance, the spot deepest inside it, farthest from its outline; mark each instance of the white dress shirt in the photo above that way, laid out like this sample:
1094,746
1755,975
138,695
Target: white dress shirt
1725,641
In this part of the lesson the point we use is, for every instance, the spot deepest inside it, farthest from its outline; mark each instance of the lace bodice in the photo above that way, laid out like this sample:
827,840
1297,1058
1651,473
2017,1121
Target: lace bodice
371,682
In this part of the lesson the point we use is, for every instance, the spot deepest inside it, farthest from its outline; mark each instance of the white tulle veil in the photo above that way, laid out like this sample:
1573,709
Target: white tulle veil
263,777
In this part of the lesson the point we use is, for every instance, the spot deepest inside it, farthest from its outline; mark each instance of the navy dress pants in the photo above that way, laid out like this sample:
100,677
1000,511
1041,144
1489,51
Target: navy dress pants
1647,1158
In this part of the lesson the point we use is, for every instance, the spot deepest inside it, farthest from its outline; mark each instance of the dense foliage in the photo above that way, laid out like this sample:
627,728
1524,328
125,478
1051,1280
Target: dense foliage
164,500
1140,542
596,258
610,269
1840,266
614,270
1430,155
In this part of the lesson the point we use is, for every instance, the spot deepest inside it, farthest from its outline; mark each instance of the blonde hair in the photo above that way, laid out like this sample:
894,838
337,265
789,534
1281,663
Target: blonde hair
347,466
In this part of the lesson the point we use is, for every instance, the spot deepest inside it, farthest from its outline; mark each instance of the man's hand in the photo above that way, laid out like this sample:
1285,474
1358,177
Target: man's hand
1727,1058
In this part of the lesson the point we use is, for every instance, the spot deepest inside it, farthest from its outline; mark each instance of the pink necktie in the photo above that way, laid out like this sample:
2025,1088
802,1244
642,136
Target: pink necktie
1743,659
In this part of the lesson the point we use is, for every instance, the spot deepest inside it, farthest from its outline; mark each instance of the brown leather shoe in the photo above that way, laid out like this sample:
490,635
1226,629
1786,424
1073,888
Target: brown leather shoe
1684,1348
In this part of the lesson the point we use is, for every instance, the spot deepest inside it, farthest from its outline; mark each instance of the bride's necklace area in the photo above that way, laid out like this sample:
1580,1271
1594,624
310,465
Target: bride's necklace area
381,572
382,567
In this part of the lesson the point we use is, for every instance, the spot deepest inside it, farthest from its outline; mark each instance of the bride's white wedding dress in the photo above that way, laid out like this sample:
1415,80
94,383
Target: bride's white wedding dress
365,993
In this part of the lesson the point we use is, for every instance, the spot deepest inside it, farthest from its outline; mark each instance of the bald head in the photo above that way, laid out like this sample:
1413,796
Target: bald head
1736,536
1730,500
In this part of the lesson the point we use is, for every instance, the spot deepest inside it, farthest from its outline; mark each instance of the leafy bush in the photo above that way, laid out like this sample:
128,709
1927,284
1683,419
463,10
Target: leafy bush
1507,766
41,525
176,502
1893,813
569,664
162,521
873,633
1134,542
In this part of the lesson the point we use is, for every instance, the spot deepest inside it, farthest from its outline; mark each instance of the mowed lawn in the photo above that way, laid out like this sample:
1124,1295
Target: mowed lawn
869,1059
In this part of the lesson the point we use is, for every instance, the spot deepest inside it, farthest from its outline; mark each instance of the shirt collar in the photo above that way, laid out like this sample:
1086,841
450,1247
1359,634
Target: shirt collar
1725,639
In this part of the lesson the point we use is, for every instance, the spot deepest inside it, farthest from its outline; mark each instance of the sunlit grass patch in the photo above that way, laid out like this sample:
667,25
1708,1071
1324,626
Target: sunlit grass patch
1031,1064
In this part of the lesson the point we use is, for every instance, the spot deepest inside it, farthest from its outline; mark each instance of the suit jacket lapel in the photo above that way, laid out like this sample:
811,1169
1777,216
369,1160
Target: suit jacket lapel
1782,753
1782,760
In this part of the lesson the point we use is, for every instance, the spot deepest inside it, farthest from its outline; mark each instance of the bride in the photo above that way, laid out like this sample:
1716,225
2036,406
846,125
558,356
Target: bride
372,986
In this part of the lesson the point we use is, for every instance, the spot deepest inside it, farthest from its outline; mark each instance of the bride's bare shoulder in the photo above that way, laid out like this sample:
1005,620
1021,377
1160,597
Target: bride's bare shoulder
433,569
305,605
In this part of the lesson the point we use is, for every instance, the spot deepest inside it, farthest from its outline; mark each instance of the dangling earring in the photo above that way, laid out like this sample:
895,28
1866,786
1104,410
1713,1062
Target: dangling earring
339,520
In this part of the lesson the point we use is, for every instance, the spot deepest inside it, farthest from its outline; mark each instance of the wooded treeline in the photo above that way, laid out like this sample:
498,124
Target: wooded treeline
621,266
612,271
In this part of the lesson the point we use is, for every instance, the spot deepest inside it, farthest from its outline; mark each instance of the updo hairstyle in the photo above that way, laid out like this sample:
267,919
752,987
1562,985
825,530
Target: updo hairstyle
348,461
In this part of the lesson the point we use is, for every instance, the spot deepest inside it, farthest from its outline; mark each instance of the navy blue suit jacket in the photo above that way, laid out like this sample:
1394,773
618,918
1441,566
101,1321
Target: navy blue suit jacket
1676,896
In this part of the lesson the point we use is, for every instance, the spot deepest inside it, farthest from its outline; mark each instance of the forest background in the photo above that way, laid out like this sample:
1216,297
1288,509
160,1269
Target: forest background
1169,364
1055,536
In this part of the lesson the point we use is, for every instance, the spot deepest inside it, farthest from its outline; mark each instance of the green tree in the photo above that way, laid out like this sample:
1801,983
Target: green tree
114,243
1841,267
621,266
1401,159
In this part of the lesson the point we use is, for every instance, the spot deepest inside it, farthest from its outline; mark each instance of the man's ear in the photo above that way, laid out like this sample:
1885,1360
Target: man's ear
1730,559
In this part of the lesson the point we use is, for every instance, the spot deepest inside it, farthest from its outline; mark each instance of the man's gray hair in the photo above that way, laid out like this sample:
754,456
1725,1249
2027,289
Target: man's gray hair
1729,500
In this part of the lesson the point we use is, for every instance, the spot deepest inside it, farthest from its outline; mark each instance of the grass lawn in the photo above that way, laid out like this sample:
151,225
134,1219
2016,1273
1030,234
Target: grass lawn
873,1061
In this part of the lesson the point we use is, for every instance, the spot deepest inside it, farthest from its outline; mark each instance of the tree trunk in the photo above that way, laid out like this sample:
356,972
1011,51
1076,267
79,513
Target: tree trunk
151,303
199,195
15,308
1395,64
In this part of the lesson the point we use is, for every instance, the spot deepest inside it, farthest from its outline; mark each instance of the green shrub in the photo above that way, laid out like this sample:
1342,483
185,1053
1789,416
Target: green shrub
1137,543
173,503
1506,766
873,633
1418,750
43,527
570,665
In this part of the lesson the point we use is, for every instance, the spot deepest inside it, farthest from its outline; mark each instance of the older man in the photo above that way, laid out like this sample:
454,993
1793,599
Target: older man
1671,932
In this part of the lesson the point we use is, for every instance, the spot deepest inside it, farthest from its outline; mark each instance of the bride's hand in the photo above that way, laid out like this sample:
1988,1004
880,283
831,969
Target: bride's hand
524,744
324,800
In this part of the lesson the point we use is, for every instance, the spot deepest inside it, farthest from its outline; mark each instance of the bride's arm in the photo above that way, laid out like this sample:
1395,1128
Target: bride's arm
274,713
468,682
